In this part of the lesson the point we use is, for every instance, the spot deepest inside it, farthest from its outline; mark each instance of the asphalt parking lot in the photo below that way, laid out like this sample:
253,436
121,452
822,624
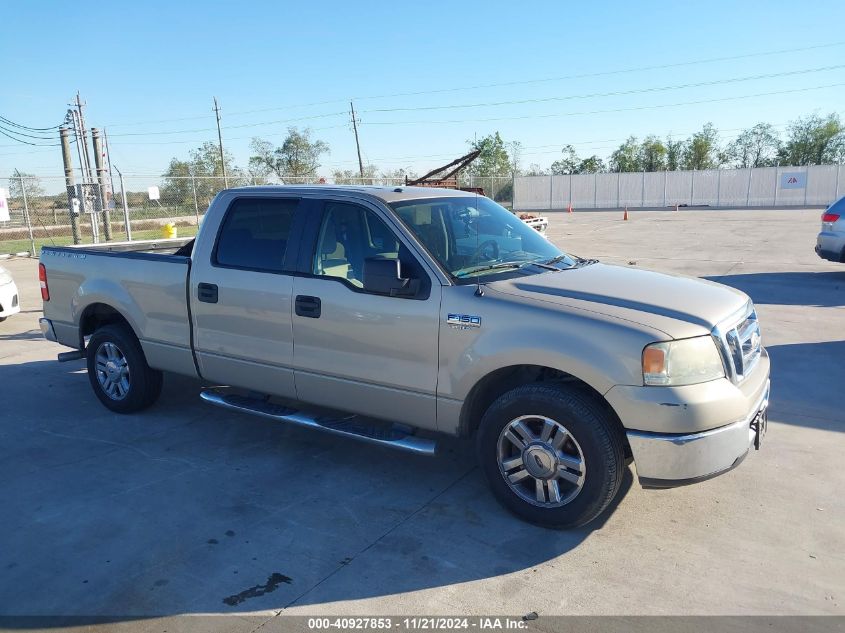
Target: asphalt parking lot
186,509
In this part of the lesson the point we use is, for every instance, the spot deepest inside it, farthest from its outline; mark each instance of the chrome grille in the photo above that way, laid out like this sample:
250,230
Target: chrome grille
740,343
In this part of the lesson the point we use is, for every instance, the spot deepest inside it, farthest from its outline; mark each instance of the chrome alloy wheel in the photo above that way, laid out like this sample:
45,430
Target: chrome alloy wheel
112,371
541,461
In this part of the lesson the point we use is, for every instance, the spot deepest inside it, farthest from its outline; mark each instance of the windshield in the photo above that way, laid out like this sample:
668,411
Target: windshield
474,236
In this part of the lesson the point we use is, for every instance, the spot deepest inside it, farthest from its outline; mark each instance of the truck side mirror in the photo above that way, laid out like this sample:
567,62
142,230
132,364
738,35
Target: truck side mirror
384,276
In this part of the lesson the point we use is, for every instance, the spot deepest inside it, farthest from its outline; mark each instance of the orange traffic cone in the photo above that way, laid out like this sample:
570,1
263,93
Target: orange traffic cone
625,217
569,210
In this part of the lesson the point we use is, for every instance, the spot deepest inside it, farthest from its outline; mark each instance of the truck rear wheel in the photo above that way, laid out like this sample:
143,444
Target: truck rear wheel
118,370
551,454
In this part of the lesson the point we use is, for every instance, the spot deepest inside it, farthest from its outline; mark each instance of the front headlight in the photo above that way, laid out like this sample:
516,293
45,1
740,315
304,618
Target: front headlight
685,362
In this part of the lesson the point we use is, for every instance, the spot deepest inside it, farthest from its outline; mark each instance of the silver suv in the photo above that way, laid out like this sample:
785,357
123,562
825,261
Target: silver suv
830,244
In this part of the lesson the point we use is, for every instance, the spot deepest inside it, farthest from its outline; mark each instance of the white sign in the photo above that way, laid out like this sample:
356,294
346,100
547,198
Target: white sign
153,193
4,205
793,180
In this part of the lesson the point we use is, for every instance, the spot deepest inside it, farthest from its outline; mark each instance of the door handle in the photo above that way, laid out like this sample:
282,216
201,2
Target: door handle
306,306
207,293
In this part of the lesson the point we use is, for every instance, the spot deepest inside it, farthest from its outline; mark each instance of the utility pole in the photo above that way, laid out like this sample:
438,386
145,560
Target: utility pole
84,138
73,119
101,182
108,160
220,138
357,143
67,158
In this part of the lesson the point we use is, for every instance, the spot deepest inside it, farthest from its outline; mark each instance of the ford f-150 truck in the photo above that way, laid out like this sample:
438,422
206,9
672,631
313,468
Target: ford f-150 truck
394,314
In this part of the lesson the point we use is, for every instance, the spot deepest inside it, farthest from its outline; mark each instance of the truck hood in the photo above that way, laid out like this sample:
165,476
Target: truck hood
679,306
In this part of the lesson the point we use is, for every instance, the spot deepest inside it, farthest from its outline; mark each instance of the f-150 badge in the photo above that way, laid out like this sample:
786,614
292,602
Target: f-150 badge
463,321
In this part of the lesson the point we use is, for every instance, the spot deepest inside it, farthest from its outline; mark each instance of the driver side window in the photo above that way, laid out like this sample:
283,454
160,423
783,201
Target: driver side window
349,235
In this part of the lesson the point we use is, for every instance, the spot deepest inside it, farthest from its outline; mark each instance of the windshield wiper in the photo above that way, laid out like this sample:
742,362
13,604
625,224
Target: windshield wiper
554,260
585,262
579,261
501,265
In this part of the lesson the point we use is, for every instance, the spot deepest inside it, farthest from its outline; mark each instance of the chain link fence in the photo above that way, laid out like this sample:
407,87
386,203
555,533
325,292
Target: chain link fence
38,210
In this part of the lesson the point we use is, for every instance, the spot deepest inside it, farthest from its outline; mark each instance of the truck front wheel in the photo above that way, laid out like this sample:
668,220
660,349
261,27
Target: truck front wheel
118,370
551,454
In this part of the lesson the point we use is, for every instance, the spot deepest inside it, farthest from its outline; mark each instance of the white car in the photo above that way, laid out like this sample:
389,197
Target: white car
9,303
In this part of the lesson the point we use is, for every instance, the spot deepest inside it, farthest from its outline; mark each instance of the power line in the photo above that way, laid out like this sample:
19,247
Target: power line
40,137
232,138
523,101
612,110
233,127
26,127
4,132
617,71
615,92
607,72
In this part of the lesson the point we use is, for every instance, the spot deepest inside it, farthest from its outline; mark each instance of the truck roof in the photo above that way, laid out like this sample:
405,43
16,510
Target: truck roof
388,194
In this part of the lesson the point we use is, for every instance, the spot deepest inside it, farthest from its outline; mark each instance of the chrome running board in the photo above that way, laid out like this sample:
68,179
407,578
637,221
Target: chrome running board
352,426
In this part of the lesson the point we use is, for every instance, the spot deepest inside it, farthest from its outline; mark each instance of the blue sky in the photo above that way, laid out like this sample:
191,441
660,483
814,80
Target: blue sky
149,70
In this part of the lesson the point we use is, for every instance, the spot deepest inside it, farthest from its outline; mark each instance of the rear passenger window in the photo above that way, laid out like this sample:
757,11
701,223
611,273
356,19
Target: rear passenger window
255,234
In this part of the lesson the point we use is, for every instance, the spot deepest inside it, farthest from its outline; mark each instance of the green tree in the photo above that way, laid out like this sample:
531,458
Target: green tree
516,157
755,147
591,165
813,140
31,184
353,176
534,169
298,156
627,156
674,153
204,166
652,154
398,175
702,149
566,164
493,159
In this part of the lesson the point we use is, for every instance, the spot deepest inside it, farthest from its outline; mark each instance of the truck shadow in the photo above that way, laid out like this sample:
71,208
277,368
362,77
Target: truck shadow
821,289
804,376
189,509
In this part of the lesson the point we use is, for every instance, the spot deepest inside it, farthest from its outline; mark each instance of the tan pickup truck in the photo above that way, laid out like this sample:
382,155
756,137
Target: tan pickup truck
390,315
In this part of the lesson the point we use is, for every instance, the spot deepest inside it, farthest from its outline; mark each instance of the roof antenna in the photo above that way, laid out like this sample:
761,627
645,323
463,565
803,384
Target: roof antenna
479,291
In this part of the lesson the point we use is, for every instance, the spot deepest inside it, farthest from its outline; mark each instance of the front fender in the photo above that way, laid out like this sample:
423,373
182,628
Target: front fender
602,360
599,350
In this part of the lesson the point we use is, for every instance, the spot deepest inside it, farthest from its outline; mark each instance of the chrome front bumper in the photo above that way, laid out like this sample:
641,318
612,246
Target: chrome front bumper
668,460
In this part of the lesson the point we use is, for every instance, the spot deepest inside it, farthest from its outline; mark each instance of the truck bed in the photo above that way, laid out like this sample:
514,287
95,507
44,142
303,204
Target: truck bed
145,282
180,246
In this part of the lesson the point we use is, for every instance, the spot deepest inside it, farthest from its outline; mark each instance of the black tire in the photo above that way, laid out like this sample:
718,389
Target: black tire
144,383
598,436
